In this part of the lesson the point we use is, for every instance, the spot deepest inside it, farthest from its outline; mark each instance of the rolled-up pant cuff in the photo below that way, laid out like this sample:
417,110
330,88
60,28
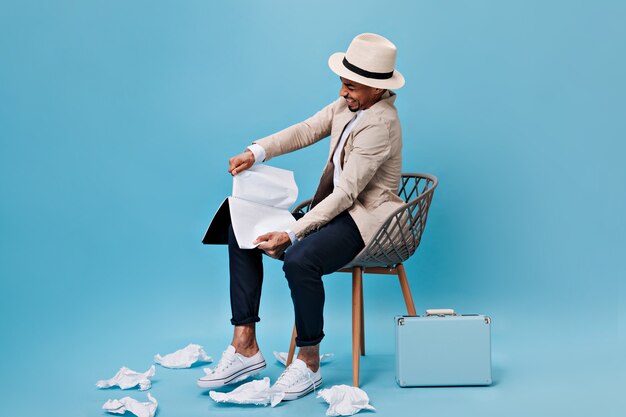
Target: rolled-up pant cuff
300,342
245,321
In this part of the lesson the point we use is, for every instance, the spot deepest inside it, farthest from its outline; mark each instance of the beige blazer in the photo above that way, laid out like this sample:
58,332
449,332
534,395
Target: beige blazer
372,163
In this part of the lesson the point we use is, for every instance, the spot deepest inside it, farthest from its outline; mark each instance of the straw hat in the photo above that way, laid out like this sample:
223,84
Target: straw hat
369,60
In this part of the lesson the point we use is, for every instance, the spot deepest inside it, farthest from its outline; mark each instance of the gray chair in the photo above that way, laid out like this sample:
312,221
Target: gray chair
395,241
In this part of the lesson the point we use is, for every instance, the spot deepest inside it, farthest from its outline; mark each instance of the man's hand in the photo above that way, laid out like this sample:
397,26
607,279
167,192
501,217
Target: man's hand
273,243
241,162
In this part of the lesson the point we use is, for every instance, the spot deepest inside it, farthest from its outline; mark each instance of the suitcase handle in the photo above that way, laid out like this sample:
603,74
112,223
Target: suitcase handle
440,312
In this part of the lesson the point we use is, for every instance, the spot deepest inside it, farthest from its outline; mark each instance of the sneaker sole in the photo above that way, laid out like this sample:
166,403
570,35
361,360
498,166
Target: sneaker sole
238,376
290,396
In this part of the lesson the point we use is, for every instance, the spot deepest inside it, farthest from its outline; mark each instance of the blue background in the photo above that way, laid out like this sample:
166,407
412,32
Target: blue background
116,122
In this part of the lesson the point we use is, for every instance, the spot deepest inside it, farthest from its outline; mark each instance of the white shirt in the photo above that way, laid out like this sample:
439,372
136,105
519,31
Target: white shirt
342,142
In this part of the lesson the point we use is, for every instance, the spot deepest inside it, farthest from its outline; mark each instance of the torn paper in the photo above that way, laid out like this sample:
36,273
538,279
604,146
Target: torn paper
260,202
147,409
344,400
282,357
127,378
183,358
256,392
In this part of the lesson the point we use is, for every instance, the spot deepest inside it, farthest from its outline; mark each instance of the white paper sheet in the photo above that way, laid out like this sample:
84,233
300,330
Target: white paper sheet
262,196
266,185
183,358
126,378
251,220
344,400
282,357
145,409
256,392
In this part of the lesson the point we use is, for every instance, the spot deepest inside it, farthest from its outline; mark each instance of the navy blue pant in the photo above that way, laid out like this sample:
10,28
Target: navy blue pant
321,252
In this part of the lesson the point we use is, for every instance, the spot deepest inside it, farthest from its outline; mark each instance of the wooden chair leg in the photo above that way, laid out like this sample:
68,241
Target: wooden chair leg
357,287
406,291
362,323
292,346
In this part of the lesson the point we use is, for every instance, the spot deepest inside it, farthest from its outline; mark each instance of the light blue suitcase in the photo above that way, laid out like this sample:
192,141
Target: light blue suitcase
443,348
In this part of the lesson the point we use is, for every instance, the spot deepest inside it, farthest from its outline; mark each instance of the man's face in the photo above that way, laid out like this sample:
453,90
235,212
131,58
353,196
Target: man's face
358,96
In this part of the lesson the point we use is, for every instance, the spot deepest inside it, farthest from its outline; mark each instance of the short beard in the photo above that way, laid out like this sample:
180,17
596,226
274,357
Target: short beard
350,108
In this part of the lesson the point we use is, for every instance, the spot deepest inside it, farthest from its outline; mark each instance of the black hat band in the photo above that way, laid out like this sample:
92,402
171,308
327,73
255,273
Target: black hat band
367,74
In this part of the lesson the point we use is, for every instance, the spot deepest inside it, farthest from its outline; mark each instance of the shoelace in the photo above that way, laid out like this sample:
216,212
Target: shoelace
226,360
293,375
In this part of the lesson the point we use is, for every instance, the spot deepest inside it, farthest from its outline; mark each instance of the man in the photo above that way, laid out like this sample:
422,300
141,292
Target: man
357,192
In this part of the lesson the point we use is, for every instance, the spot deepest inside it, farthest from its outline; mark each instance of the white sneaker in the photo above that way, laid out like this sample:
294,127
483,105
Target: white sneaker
233,367
297,380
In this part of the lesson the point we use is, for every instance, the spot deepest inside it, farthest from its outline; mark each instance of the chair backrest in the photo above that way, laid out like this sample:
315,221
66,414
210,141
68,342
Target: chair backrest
400,235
